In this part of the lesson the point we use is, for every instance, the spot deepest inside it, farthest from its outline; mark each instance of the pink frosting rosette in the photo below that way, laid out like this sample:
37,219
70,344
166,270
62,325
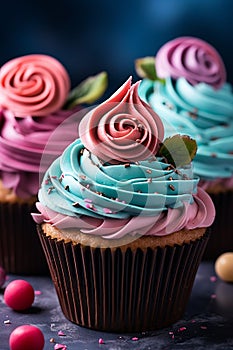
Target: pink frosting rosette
34,85
123,128
193,59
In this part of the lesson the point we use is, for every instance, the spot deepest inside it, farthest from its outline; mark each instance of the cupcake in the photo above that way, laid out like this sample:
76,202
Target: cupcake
121,219
187,86
35,98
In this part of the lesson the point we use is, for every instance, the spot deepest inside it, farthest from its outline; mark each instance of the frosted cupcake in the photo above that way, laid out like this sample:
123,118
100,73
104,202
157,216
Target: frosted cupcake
187,87
122,221
35,98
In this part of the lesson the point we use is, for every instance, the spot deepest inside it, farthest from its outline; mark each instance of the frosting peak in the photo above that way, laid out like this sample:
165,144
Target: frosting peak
34,85
123,128
193,59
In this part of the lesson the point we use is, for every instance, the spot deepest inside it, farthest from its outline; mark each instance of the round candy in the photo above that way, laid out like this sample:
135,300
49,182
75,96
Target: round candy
26,337
224,267
2,276
19,295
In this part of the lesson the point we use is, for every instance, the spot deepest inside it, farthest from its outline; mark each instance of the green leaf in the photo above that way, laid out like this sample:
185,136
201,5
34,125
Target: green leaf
88,91
145,68
179,150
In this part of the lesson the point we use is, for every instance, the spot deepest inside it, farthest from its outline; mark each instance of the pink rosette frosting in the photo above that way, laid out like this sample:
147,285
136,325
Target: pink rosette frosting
123,128
33,85
193,59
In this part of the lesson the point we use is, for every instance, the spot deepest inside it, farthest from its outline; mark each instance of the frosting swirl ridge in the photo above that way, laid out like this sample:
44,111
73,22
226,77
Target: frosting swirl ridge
193,59
203,113
149,197
123,128
33,85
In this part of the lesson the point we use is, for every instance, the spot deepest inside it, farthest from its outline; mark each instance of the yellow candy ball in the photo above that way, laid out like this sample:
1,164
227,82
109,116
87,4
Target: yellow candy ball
224,267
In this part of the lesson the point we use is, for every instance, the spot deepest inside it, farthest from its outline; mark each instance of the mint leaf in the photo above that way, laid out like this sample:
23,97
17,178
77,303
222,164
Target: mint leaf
88,91
145,68
179,150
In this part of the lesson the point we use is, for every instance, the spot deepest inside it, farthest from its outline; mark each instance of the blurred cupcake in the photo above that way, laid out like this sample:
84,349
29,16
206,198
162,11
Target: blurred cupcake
186,85
35,98
122,221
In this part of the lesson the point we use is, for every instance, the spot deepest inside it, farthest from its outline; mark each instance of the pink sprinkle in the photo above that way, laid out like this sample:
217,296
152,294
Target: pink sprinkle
60,347
193,321
107,211
203,327
173,337
101,341
171,333
181,329
88,200
61,334
213,278
135,339
213,296
38,292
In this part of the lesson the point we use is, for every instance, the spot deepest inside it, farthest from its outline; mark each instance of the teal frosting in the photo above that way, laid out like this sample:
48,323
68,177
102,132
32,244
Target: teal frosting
78,183
202,112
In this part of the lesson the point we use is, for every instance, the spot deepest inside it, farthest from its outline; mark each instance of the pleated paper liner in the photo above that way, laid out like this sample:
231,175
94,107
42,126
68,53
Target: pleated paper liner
20,248
123,290
221,239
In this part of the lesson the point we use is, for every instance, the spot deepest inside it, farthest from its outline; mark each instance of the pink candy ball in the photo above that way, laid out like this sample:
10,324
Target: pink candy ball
2,276
26,337
19,295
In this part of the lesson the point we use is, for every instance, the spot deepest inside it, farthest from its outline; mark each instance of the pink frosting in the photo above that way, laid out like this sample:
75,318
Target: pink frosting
123,128
226,183
193,59
33,85
200,213
23,142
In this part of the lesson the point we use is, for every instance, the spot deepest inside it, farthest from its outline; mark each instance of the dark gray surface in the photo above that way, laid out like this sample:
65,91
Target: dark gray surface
207,323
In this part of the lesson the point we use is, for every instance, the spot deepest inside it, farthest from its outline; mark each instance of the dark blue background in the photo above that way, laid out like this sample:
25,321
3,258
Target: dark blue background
90,36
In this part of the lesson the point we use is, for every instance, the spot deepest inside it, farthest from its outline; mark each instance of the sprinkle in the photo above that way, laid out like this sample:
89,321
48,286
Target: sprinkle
134,338
107,211
214,155
88,200
38,292
54,177
171,333
88,186
193,114
90,206
52,340
50,189
101,341
67,187
170,178
169,105
148,171
61,334
7,322
60,347
213,278
83,177
76,204
213,296
181,329
203,327
61,177
149,180
172,187
138,140
127,165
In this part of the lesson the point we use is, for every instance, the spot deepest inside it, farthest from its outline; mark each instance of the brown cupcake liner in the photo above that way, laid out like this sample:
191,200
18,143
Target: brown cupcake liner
121,290
221,239
20,248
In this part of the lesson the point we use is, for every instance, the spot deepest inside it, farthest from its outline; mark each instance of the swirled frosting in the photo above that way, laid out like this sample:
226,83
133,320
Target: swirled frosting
35,85
193,59
83,189
22,144
123,128
204,113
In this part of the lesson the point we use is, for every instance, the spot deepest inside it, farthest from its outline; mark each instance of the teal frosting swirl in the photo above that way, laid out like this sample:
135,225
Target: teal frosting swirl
78,183
204,113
